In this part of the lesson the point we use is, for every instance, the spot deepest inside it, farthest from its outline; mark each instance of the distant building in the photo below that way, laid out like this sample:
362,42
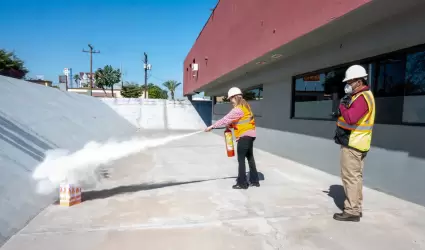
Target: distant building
42,82
85,79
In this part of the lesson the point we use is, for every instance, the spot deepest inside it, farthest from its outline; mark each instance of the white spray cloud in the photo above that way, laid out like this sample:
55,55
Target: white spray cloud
80,167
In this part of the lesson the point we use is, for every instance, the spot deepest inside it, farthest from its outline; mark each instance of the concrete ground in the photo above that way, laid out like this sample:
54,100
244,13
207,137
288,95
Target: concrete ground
179,197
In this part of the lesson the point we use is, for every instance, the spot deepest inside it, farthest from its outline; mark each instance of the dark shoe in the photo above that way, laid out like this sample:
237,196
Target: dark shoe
346,217
255,184
238,186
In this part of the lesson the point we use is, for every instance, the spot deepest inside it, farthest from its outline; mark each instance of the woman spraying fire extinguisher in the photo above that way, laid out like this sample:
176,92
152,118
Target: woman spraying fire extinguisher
241,119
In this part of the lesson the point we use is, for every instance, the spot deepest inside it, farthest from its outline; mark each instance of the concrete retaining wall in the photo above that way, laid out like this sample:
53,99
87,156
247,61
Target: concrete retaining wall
33,119
162,114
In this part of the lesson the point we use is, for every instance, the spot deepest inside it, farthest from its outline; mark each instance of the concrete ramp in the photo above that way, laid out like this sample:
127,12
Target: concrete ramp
33,119
179,196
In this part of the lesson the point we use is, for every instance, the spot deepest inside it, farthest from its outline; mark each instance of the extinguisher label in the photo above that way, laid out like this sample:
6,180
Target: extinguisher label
229,141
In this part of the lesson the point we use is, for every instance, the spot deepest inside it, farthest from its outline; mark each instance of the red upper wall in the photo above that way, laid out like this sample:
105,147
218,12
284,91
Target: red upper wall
239,31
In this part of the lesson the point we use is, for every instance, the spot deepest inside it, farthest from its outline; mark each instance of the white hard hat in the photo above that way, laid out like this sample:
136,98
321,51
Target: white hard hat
233,91
355,72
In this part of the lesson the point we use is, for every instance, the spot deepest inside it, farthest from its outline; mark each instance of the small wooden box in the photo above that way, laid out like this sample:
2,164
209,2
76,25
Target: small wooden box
69,195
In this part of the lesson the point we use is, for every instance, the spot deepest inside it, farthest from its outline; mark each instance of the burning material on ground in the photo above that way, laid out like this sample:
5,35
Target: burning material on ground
69,194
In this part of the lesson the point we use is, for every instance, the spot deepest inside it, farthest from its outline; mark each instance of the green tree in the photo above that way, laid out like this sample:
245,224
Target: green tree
171,85
76,78
131,90
155,92
107,78
11,65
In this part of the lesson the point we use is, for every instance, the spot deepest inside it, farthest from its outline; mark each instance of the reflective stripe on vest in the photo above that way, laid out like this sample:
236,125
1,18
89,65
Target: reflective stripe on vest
245,121
369,101
354,127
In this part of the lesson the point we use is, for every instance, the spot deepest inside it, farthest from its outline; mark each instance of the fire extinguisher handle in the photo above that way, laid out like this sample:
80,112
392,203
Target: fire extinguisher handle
220,128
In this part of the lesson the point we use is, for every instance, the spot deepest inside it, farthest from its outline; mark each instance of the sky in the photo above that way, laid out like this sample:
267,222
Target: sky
50,35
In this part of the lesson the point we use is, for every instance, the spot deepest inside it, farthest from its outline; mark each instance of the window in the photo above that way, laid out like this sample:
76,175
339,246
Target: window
389,88
414,100
253,94
415,73
397,80
317,96
390,76
250,94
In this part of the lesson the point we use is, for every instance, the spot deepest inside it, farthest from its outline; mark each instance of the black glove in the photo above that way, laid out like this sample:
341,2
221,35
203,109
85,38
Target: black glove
336,114
346,101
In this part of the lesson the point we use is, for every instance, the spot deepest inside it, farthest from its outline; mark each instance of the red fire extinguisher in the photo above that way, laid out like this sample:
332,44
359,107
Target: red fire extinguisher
228,136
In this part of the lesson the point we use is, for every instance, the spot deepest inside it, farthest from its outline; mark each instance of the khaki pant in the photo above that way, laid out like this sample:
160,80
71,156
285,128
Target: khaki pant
352,163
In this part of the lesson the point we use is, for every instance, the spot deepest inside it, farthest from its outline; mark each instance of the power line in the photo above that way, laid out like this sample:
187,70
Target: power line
162,80
91,51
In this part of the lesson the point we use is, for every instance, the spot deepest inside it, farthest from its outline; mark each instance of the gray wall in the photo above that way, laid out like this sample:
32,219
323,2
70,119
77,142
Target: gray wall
204,110
33,119
396,163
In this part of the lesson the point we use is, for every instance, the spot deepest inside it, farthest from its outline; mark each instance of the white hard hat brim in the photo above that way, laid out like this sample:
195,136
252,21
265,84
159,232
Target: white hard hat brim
351,78
230,96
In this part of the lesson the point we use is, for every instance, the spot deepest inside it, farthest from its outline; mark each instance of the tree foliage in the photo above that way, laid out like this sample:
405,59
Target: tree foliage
131,90
171,85
155,92
76,78
11,65
107,78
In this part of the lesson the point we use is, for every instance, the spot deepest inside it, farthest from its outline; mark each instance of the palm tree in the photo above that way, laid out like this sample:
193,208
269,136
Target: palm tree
171,85
107,77
76,78
11,65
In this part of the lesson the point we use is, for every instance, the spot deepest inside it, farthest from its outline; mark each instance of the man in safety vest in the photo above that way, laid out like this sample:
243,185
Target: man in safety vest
356,117
241,119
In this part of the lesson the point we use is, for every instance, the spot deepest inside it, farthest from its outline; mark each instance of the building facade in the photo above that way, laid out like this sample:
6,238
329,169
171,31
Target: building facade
290,57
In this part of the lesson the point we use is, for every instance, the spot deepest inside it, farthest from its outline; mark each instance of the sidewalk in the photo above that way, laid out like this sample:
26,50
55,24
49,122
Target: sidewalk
179,197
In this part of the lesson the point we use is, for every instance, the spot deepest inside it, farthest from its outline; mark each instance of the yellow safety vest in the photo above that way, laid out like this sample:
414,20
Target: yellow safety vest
247,122
360,134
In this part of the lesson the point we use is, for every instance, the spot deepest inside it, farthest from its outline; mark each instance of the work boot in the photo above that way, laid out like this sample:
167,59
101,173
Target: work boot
240,186
346,217
255,184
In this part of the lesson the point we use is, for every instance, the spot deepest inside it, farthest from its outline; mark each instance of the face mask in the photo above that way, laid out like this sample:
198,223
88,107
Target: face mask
348,89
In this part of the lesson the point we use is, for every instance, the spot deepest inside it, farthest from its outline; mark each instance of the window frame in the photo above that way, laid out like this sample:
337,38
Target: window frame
243,90
373,77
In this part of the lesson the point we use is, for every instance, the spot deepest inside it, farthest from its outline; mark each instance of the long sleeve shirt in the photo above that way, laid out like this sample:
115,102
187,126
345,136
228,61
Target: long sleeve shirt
356,111
234,114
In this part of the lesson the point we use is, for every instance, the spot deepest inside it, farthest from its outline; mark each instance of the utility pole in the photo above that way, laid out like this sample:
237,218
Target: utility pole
91,51
122,82
145,65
